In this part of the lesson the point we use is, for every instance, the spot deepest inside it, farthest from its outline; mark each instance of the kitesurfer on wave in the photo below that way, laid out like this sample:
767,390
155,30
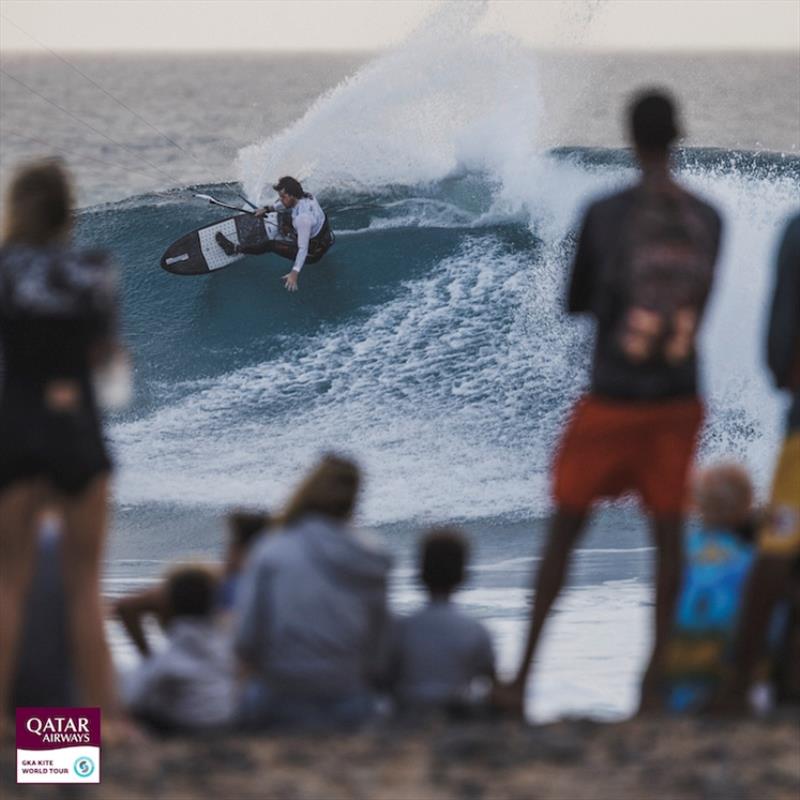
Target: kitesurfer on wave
302,233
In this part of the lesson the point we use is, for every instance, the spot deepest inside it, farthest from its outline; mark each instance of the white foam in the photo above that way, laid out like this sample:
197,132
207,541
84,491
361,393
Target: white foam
414,392
452,95
452,394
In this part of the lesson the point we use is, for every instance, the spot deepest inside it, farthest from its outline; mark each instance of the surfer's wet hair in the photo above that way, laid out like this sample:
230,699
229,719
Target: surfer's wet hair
330,489
443,558
38,208
652,120
291,186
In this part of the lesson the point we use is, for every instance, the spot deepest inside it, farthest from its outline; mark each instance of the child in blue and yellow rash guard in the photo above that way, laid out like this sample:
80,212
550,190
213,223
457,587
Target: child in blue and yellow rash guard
718,558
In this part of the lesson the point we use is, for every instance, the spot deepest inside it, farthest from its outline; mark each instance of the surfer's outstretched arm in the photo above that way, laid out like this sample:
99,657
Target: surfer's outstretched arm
302,225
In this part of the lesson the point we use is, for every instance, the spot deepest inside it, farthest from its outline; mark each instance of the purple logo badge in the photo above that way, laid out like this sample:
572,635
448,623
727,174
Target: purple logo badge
58,745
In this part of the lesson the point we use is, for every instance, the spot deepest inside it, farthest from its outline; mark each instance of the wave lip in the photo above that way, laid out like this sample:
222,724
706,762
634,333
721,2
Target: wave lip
430,342
412,116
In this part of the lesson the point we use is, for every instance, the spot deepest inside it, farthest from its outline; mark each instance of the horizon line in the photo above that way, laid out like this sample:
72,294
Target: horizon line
566,49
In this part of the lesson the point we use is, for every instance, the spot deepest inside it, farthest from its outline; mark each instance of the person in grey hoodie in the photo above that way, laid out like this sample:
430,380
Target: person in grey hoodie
311,614
188,686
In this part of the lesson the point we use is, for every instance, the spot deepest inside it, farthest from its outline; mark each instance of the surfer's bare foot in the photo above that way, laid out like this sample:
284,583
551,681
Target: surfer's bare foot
226,244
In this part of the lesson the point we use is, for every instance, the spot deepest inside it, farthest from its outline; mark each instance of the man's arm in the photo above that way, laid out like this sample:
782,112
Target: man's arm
132,610
783,336
302,225
581,285
716,243
268,209
762,592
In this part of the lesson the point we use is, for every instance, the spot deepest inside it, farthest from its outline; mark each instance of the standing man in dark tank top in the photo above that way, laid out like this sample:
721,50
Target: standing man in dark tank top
643,269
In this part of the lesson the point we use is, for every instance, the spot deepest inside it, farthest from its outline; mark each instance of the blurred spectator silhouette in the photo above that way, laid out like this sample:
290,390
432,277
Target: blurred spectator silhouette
719,555
244,529
311,614
776,573
44,639
57,325
189,684
643,269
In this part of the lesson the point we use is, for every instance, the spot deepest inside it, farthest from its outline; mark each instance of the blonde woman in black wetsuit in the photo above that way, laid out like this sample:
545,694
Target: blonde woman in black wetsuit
57,322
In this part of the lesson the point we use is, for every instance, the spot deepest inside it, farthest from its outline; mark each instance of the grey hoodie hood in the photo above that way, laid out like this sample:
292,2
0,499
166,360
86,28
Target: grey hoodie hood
349,555
311,612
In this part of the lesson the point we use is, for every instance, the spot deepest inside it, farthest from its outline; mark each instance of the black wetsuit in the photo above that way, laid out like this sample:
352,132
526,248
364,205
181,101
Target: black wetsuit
56,306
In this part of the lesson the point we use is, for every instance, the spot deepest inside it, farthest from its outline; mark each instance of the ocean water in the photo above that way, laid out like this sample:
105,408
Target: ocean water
430,344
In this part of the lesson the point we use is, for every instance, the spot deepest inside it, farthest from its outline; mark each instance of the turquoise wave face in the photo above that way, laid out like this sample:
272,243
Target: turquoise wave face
189,328
429,343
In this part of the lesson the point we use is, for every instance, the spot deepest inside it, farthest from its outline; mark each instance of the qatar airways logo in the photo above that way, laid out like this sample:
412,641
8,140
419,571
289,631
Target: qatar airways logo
58,745
60,730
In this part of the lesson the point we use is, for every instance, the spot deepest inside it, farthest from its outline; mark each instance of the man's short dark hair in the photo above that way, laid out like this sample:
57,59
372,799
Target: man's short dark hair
191,591
245,526
289,185
652,118
444,555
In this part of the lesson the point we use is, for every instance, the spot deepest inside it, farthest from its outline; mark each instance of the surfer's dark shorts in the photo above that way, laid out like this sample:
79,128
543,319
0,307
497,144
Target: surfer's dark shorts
317,247
66,449
611,448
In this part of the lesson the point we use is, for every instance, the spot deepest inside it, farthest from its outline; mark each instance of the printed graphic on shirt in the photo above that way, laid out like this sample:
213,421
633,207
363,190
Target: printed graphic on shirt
666,269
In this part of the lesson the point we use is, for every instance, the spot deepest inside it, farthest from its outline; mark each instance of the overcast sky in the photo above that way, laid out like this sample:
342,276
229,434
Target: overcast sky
225,25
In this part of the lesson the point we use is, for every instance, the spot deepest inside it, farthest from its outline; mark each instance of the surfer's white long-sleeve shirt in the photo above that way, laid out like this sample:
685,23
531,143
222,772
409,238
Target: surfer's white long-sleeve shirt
307,220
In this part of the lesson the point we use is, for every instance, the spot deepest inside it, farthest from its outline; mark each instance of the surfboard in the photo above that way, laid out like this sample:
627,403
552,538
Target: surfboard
197,253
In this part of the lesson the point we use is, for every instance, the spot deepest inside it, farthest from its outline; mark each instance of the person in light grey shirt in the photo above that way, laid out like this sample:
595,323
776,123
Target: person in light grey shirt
435,656
311,613
188,685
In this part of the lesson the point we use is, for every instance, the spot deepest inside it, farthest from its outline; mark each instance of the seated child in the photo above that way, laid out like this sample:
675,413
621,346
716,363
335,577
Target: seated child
244,530
718,558
436,654
189,685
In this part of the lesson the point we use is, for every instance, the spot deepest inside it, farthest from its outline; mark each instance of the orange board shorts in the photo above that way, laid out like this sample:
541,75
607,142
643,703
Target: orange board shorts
612,447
